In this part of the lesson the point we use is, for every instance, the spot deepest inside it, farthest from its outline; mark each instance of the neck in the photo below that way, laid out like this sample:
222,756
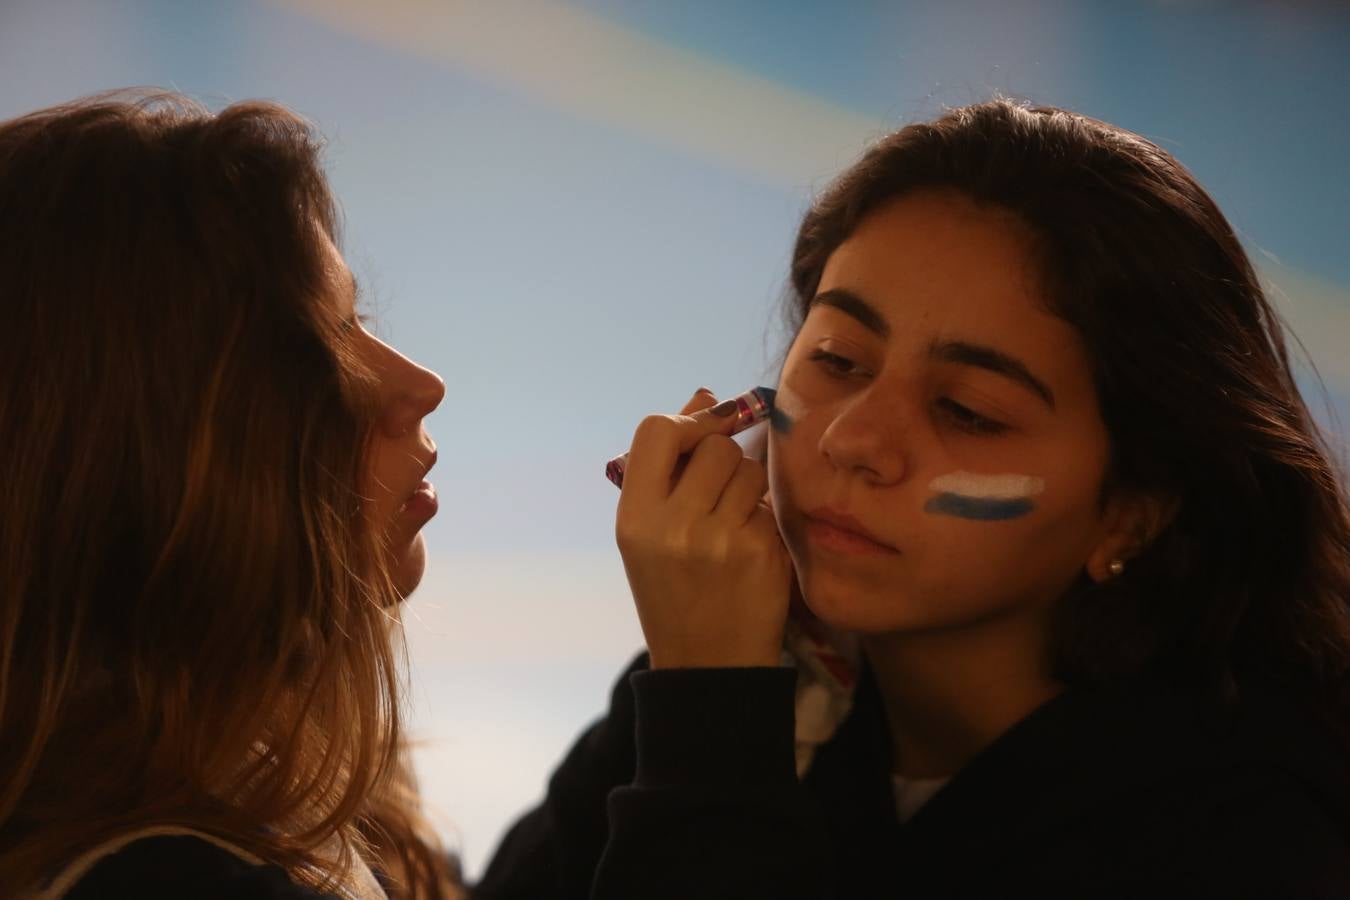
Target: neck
949,694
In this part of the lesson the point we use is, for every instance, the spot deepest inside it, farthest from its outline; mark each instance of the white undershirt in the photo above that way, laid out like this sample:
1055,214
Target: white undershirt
912,793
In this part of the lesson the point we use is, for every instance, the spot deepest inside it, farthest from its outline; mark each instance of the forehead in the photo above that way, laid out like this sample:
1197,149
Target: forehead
940,250
936,265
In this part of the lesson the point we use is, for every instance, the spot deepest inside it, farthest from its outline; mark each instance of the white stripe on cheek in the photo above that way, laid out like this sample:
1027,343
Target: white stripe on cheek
988,487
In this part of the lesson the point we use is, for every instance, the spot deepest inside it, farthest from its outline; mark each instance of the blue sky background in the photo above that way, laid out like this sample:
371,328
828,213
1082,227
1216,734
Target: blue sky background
579,212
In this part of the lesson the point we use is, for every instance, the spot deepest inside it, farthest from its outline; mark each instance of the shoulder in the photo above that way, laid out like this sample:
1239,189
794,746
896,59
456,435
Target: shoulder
177,866
1161,786
1254,828
1256,799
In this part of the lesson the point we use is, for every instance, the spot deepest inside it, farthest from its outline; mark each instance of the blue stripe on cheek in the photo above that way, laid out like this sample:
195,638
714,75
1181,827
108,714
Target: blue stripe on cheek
982,509
779,421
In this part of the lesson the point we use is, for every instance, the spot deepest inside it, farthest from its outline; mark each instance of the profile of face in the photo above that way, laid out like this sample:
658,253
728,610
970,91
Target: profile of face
399,500
940,452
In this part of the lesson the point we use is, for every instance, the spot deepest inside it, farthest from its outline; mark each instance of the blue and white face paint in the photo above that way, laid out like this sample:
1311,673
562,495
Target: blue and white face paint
986,498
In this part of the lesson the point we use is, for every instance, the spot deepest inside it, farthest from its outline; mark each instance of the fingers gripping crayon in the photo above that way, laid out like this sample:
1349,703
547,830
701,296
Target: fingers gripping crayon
752,407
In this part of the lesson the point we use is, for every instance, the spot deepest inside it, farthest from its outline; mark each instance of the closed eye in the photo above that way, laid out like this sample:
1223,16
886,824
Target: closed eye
970,421
835,365
965,419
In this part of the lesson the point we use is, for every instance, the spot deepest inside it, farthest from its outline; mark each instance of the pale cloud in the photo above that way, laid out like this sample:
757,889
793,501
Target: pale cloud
600,71
604,72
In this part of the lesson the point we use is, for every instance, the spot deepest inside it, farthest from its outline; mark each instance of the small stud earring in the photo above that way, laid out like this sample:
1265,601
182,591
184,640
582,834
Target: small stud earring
1115,567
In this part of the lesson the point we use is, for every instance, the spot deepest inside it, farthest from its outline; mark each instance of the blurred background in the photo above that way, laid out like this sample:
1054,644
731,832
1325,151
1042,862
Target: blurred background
579,212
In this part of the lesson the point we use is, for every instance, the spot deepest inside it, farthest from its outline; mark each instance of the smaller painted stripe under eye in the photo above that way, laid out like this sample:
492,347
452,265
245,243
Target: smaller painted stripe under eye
984,509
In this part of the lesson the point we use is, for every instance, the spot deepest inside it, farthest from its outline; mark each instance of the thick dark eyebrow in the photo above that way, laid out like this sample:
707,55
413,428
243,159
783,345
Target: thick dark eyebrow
996,361
960,352
855,306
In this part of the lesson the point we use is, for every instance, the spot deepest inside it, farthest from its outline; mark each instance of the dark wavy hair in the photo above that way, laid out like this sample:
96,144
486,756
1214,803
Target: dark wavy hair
1252,576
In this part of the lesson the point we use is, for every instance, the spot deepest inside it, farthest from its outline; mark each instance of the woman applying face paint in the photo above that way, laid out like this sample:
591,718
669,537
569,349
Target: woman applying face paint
1040,453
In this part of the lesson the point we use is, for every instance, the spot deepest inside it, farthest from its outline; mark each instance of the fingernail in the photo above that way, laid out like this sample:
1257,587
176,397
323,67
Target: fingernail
724,409
705,390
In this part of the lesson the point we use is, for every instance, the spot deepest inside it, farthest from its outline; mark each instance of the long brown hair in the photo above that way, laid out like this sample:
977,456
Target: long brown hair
196,626
1252,577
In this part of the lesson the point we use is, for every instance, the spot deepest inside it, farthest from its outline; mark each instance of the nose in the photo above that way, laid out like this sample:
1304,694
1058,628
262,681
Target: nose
412,392
866,437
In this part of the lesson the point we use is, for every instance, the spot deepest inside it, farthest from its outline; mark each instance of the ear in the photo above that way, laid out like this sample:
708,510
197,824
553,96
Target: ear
1132,520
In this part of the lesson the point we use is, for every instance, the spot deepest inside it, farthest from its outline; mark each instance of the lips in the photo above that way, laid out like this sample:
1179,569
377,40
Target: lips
422,504
424,488
838,530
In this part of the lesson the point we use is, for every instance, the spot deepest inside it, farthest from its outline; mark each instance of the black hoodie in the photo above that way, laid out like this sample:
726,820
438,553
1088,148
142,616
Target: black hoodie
1135,790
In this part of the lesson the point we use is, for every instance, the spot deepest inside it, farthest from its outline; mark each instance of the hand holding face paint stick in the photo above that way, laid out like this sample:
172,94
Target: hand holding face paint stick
709,573
750,408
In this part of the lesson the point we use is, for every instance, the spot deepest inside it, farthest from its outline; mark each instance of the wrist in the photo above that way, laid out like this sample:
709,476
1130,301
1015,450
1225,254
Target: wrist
713,658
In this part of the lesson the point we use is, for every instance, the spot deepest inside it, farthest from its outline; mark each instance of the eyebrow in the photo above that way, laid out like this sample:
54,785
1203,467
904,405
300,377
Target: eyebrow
964,353
986,357
855,306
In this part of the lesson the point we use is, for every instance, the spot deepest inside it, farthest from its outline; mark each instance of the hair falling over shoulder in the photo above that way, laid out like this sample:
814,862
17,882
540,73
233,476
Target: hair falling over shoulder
195,626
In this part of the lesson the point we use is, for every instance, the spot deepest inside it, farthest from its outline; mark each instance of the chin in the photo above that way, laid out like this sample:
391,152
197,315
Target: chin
410,565
849,614
863,611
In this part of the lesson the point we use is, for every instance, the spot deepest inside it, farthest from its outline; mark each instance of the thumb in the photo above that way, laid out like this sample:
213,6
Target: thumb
729,417
719,418
702,399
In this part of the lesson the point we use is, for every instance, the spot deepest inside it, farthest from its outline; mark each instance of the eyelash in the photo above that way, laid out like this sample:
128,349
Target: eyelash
836,366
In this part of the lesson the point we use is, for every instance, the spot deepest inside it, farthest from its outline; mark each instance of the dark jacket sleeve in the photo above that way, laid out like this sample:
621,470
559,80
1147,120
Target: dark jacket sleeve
551,852
715,809
171,867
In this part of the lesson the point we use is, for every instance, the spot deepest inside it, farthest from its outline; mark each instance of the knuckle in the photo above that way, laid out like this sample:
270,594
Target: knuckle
624,535
752,471
681,540
721,448
630,529
655,426
713,549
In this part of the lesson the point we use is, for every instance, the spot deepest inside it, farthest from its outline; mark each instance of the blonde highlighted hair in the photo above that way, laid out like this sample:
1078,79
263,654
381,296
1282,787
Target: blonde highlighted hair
197,626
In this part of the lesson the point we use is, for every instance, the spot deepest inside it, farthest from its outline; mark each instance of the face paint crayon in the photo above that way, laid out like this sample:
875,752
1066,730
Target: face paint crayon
752,407
986,498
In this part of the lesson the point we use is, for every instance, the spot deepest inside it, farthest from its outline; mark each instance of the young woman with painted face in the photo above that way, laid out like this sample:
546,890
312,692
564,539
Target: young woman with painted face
1042,454
210,509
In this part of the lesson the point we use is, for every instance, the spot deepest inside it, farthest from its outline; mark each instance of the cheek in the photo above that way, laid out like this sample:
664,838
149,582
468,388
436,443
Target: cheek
989,558
779,464
790,442
789,465
788,409
954,569
383,501
384,467
984,498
